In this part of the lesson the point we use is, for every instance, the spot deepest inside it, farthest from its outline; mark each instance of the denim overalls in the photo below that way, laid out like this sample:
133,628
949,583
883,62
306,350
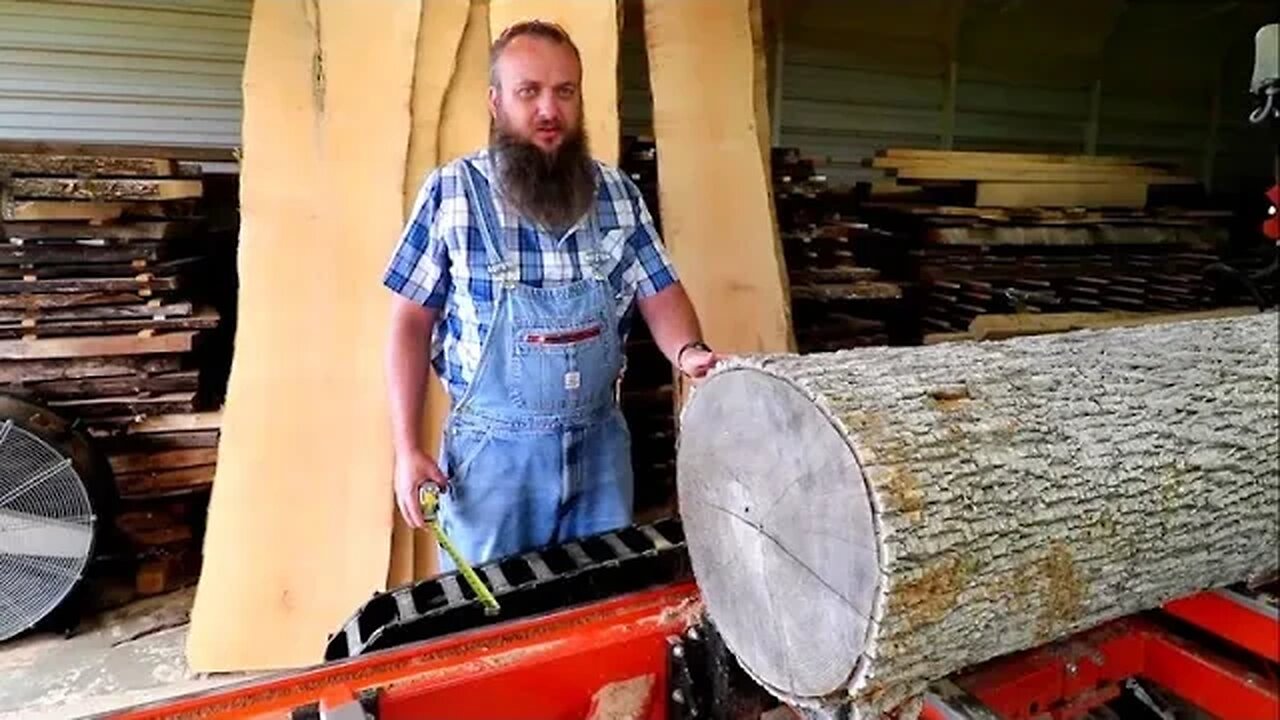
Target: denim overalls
536,448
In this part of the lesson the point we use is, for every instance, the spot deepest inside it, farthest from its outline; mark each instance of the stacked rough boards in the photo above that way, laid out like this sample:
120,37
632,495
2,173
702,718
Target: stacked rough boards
97,254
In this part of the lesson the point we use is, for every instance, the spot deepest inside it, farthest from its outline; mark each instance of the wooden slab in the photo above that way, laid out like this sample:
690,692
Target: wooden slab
1058,194
37,301
1005,157
440,30
593,25
322,189
142,282
68,347
1026,172
1058,235
164,460
143,230
85,253
92,211
117,406
168,152
188,422
34,371
205,319
714,190
95,165
152,442
183,381
104,312
155,483
105,189
464,117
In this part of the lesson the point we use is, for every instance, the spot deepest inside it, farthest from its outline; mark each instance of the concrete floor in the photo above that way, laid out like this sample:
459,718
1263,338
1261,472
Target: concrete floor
123,657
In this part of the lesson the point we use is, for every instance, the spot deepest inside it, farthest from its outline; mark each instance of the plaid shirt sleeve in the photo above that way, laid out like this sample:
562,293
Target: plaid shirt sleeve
419,268
650,269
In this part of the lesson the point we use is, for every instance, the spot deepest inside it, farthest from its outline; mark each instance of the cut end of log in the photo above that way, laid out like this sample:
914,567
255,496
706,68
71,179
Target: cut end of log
771,490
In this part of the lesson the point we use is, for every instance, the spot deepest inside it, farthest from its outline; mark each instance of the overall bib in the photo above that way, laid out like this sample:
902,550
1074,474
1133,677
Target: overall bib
536,449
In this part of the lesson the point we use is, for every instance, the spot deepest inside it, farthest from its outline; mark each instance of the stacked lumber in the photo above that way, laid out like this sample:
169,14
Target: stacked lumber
648,399
979,248
1027,180
100,320
837,300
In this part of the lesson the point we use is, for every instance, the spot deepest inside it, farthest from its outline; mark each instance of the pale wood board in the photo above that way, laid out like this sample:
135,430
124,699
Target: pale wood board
997,327
56,210
1003,157
440,30
299,530
464,121
593,25
1029,172
1058,194
714,188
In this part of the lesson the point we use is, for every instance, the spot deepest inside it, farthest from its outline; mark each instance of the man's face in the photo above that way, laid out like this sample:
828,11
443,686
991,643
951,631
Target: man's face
538,98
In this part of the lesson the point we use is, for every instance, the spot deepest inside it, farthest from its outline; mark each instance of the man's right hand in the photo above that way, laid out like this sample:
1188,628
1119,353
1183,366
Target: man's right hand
414,469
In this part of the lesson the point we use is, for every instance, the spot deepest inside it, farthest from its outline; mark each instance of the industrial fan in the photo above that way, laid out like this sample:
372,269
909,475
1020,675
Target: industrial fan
50,513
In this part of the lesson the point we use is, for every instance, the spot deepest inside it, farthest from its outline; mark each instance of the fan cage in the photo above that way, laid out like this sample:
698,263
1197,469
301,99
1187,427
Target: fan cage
46,529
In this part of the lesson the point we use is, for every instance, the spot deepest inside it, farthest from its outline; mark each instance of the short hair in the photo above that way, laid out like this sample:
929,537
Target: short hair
532,28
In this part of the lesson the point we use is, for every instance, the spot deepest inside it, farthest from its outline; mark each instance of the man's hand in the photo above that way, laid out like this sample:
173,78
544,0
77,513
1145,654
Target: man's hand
414,469
696,363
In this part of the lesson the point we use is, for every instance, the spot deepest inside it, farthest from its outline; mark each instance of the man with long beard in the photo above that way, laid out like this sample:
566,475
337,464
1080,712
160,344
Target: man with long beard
515,277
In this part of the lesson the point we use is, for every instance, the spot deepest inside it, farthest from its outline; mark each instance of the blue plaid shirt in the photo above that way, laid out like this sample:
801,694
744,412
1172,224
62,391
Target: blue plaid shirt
440,260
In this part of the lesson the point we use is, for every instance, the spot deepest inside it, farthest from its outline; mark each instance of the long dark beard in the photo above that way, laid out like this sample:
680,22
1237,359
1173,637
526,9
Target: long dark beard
552,189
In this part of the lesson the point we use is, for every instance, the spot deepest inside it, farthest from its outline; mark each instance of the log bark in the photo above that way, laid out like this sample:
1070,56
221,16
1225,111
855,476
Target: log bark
862,523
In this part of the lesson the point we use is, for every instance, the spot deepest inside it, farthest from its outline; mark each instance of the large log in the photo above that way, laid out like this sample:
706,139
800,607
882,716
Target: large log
862,523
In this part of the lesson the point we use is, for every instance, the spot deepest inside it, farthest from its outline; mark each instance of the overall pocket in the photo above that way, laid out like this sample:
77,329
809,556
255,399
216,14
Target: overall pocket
462,443
563,369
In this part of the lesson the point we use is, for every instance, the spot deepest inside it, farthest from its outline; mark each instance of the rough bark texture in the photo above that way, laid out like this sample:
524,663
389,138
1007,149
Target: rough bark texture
1019,492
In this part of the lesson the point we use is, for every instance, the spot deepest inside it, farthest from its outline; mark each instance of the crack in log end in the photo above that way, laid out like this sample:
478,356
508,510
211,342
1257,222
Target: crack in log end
950,397
1064,592
312,10
928,598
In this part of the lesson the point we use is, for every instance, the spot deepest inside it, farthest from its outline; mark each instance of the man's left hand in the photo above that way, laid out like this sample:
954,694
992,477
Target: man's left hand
696,363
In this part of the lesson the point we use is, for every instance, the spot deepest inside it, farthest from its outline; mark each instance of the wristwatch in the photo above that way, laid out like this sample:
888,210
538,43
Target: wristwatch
693,345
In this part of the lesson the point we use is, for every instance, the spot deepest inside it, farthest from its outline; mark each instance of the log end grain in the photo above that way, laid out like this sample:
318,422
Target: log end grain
787,558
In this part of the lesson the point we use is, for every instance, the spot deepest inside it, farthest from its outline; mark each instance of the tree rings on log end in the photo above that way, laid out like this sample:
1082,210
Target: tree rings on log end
780,530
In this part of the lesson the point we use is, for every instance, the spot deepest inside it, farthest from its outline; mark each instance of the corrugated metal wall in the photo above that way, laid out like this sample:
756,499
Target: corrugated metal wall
1136,77
123,71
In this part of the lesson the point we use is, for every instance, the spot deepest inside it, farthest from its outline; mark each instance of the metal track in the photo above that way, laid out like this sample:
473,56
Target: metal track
540,581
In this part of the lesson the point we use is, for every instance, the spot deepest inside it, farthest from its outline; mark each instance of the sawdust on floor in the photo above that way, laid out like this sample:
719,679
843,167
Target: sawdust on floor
129,656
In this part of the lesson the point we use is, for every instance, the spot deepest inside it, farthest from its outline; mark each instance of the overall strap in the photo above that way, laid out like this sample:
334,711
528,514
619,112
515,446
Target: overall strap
490,228
595,260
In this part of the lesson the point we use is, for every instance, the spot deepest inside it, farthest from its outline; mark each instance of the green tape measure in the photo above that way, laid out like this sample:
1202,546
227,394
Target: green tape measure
429,498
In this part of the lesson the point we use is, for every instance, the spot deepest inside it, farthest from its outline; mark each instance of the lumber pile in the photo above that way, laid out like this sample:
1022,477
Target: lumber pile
941,506
102,305
978,248
1025,180
837,299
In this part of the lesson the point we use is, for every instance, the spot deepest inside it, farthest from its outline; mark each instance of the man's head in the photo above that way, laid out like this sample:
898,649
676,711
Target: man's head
535,98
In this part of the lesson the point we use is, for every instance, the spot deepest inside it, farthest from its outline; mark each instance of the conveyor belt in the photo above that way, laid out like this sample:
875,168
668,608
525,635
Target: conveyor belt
552,578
